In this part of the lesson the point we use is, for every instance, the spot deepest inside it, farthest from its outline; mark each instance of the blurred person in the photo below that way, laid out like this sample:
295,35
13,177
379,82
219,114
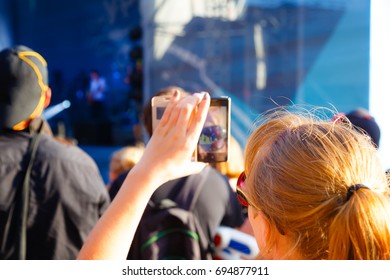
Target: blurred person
364,122
121,162
315,189
124,159
216,204
362,119
66,192
96,95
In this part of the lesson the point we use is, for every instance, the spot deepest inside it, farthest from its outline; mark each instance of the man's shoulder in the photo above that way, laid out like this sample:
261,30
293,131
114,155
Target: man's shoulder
62,160
50,148
213,175
212,181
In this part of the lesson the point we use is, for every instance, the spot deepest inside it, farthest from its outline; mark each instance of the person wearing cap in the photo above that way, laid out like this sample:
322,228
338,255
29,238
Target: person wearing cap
66,192
362,120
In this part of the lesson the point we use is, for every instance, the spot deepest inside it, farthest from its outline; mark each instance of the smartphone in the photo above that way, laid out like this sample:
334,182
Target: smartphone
213,144
159,103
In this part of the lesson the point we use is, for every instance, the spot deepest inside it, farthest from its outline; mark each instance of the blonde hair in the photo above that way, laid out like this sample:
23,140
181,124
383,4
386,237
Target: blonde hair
299,169
124,159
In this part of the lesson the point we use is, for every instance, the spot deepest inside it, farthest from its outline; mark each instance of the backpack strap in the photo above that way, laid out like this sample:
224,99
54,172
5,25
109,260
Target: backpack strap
22,222
188,194
187,198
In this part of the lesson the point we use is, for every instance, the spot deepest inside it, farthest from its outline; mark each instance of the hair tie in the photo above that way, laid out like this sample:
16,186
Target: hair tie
354,188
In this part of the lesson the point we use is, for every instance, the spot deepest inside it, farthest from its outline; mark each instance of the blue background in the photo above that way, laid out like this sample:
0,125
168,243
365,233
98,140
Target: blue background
314,53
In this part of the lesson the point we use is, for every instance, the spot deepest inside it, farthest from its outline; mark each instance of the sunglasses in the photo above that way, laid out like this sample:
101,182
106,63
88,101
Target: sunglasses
241,196
244,200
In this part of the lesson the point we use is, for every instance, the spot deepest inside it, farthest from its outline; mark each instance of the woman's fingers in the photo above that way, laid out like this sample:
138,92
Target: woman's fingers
189,109
169,112
175,139
181,114
196,125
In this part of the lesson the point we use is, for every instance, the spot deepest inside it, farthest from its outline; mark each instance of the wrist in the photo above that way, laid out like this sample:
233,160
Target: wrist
151,177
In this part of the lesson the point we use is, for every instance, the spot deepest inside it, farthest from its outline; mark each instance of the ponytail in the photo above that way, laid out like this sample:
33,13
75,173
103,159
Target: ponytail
361,228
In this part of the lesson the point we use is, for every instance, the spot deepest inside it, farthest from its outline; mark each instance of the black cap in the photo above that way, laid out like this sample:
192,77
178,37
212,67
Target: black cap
362,119
23,83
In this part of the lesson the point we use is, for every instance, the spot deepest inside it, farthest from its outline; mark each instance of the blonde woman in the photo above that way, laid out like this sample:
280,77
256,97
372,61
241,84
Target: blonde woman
315,190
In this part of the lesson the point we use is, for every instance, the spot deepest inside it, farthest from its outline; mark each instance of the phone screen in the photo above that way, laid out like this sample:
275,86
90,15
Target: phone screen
213,145
159,103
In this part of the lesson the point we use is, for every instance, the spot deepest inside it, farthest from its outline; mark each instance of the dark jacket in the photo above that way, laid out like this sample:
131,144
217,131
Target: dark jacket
67,196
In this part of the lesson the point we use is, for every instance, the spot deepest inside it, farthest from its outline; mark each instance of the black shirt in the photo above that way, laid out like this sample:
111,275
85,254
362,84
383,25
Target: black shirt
216,205
67,197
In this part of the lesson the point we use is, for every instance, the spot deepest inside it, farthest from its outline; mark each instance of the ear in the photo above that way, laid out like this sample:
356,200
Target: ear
263,223
47,97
